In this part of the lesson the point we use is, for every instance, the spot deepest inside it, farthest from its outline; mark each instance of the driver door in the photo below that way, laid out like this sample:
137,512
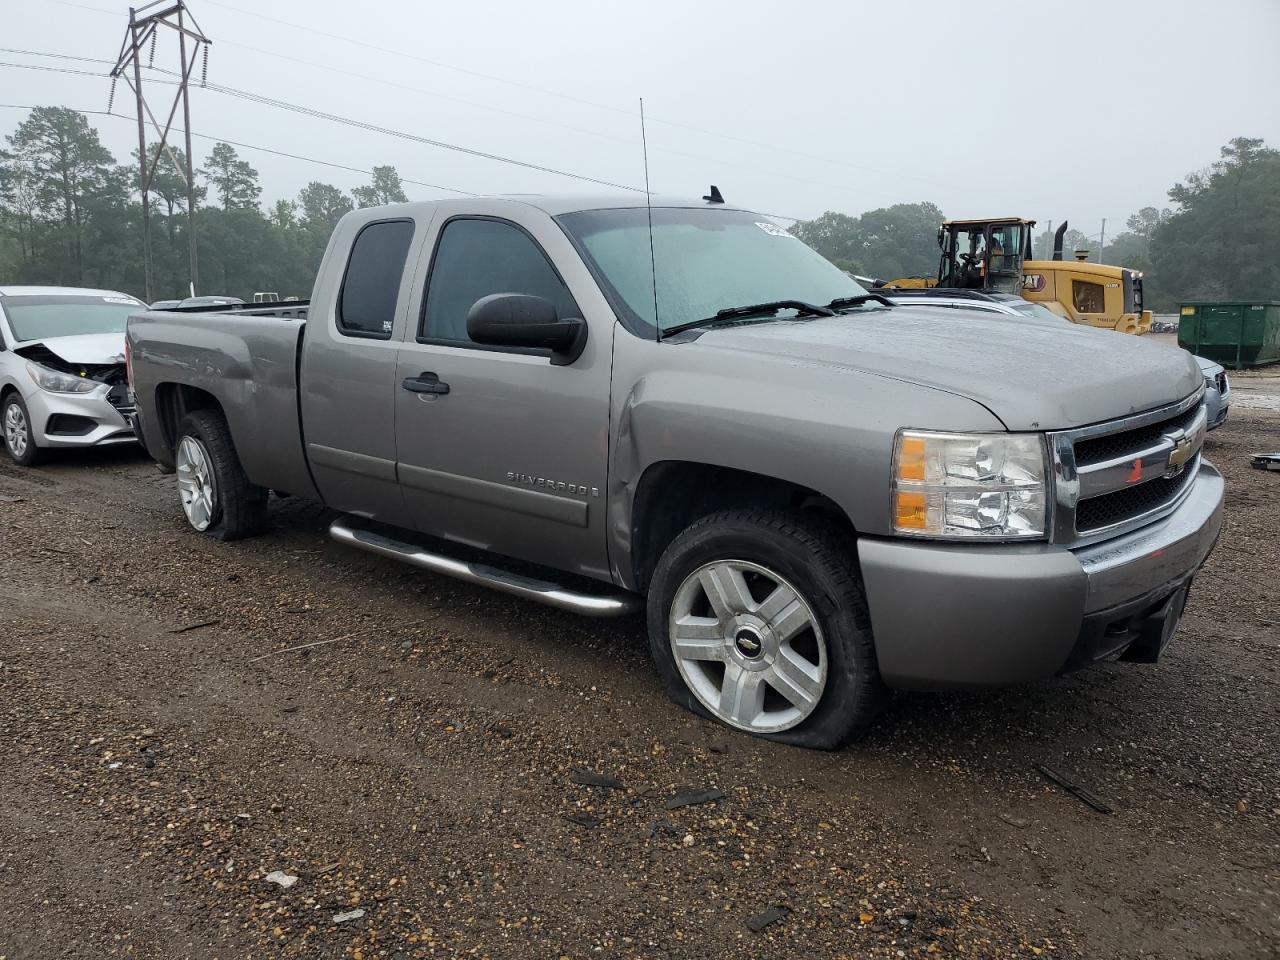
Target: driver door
505,452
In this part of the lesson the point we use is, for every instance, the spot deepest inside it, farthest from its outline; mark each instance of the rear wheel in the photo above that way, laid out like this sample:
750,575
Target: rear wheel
758,620
217,498
19,439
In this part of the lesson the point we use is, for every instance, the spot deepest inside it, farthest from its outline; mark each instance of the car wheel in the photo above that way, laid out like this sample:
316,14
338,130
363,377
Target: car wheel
758,619
19,440
216,496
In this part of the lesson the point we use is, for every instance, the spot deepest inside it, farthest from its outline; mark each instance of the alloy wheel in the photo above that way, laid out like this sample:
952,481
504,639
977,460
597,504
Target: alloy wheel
748,646
196,485
15,429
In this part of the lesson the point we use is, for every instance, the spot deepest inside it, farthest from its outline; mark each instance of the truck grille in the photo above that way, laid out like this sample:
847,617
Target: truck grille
1112,445
1116,476
1110,508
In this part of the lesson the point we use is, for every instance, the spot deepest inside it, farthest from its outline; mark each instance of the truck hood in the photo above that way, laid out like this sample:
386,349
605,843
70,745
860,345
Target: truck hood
91,349
1033,375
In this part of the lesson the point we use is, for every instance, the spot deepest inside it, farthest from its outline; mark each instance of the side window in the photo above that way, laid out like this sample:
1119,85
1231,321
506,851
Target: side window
371,285
1088,297
476,258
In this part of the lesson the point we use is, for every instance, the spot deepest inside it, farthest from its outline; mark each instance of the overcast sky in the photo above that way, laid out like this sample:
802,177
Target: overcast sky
1083,109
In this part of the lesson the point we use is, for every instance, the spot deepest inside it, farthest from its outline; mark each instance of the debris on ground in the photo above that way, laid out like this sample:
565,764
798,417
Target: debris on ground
187,628
279,877
692,796
1265,461
589,778
583,819
355,914
770,916
1074,789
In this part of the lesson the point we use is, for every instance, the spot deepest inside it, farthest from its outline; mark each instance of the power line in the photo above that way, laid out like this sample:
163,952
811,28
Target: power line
775,146
392,83
352,122
262,149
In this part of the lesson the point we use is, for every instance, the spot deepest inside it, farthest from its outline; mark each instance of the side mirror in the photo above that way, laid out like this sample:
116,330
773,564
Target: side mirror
519,320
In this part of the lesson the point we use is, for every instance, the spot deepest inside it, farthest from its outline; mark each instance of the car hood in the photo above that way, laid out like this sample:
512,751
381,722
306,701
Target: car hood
98,349
1208,367
1033,376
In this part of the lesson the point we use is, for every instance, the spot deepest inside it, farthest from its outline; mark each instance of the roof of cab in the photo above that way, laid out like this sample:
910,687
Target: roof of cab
9,291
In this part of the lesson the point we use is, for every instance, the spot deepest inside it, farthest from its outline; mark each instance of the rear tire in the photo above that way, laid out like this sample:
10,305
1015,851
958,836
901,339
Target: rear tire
216,496
19,438
769,616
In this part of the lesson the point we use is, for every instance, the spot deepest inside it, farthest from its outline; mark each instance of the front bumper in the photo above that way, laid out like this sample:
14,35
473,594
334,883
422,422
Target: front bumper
77,420
946,615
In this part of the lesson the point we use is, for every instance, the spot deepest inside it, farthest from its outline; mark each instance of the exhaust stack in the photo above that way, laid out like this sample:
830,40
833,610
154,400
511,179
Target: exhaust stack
1057,240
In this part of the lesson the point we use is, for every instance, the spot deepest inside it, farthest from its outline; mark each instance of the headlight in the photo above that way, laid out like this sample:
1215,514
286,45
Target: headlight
961,486
56,382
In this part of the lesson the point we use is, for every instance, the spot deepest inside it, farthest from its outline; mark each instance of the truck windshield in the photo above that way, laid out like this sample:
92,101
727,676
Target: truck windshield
46,317
707,260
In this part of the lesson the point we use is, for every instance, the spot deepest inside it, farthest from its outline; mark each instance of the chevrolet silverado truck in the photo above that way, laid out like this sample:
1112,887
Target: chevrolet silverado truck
813,494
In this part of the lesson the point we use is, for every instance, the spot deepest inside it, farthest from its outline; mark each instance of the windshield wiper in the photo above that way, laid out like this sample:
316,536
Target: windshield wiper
841,302
751,310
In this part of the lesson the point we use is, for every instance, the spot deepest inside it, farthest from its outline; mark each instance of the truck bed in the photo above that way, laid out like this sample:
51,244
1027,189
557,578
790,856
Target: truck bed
245,358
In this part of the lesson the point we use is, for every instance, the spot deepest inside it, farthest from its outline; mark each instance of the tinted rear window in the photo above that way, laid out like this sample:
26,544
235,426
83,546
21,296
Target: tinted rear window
367,303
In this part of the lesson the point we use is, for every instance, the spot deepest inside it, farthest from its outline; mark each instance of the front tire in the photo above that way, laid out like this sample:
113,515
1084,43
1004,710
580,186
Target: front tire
19,438
758,619
217,498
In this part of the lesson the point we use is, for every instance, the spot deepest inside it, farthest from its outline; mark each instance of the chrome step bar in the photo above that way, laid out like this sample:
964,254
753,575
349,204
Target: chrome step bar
347,530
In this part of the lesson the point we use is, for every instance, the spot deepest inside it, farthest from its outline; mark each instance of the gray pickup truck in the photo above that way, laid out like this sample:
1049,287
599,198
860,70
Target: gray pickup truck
814,494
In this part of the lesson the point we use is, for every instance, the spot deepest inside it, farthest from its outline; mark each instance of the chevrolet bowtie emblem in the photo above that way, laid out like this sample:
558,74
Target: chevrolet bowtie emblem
1179,456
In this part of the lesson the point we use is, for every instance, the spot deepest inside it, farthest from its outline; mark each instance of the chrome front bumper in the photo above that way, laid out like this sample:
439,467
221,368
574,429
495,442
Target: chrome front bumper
959,615
98,423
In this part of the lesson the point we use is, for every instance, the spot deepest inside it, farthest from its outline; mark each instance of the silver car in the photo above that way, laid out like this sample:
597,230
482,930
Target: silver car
1217,390
62,369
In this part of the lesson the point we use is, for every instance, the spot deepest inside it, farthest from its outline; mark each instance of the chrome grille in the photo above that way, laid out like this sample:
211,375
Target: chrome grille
1110,508
1113,477
1112,445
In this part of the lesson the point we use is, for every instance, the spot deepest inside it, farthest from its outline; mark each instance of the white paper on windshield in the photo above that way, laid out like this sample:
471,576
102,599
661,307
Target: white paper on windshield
772,229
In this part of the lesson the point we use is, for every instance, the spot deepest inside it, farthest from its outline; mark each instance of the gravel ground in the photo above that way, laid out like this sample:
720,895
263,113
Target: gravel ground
165,754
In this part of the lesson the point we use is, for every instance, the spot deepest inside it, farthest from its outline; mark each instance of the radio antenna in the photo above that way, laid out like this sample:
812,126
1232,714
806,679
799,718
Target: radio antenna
648,205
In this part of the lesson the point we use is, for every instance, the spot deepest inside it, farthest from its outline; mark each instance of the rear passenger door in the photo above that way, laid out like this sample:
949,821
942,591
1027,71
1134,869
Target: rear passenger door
347,379
513,458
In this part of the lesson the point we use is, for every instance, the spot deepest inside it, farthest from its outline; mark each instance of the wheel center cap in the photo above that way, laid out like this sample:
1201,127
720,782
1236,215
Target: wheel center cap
748,643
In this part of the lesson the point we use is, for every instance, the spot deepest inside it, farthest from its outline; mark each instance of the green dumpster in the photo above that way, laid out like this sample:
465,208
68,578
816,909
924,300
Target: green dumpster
1235,333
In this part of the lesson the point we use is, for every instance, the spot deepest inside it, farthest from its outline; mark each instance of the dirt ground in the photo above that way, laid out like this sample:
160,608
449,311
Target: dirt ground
162,756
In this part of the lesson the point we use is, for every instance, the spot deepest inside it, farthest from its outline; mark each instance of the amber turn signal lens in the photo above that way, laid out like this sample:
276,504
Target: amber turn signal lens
911,511
911,458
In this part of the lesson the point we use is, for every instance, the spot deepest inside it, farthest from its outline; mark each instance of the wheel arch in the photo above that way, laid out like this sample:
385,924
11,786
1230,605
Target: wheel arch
173,402
657,516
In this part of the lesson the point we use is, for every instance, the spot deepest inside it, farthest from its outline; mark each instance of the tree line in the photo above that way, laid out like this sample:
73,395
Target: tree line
71,215
1220,239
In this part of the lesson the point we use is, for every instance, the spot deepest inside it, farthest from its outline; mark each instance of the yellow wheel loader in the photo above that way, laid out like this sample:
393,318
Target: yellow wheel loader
994,256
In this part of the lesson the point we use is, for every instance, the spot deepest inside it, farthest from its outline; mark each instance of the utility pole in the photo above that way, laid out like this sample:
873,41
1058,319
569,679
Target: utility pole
1102,239
143,29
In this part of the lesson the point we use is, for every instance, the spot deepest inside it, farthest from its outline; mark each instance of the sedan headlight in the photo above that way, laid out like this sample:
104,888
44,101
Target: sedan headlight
964,486
56,382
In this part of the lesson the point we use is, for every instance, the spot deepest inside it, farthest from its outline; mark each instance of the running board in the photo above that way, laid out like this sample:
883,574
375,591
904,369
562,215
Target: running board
553,595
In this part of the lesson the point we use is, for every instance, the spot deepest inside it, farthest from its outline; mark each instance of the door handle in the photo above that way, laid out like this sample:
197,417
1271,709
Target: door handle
425,383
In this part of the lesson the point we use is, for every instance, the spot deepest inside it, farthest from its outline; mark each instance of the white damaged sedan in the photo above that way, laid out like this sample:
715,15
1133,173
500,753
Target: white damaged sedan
62,369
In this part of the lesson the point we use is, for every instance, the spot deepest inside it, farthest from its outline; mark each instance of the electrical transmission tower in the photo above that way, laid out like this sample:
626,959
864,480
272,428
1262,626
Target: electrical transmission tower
143,31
